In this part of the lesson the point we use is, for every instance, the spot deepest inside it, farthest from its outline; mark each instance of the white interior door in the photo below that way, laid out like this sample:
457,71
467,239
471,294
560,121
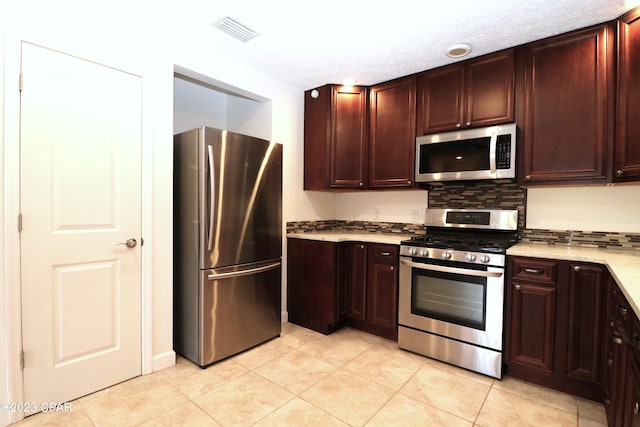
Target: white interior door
80,198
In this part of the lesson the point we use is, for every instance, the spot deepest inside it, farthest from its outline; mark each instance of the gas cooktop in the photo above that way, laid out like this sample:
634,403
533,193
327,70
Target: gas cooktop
492,242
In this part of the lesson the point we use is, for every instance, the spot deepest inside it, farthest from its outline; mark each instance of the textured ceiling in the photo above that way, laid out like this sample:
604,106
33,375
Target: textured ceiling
309,44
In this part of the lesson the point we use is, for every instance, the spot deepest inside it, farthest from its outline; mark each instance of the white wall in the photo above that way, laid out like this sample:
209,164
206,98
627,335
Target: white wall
609,208
385,206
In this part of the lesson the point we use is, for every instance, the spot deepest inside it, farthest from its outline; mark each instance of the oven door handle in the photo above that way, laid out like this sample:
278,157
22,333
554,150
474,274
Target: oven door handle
453,270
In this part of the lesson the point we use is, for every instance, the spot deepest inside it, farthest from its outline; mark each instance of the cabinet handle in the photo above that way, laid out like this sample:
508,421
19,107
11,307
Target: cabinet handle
517,287
616,338
620,172
534,270
623,310
385,253
636,408
576,268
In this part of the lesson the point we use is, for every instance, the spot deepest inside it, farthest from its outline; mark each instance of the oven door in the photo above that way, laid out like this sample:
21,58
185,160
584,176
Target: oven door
455,300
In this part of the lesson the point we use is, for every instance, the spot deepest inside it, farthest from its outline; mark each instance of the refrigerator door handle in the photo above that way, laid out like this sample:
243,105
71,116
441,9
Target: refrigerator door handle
267,267
212,197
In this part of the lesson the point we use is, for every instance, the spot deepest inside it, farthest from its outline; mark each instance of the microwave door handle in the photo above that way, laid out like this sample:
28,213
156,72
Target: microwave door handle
453,270
492,151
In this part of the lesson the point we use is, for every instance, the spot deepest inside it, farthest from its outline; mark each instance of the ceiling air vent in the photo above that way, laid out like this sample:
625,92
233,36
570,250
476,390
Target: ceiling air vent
235,29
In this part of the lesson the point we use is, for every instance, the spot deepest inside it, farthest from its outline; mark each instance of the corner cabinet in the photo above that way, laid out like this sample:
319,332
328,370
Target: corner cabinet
392,134
335,138
554,330
330,285
565,88
476,92
627,151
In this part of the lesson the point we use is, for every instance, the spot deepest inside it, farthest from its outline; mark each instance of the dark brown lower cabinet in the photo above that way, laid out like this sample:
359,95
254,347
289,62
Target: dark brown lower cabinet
376,290
554,324
333,284
316,296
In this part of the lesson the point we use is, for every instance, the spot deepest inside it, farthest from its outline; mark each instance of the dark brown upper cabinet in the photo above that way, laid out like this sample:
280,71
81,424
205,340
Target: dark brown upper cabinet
565,89
336,138
627,149
358,138
392,133
476,92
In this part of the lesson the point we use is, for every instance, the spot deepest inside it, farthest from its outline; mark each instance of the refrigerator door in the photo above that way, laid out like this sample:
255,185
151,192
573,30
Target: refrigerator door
240,309
241,199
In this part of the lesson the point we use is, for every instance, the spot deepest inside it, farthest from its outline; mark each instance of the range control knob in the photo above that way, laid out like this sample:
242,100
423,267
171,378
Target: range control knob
412,251
485,259
470,257
424,252
446,255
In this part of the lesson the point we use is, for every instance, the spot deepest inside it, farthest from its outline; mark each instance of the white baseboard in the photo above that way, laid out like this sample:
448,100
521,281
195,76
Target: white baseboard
284,316
164,360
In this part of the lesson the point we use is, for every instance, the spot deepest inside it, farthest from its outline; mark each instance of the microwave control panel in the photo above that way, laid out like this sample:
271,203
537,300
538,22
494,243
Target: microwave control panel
503,152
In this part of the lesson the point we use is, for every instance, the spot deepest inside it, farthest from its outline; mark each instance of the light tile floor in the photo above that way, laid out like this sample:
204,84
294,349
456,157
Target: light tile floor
308,379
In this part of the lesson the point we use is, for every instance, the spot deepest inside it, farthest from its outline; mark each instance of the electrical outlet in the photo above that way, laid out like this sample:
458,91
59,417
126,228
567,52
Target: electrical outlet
414,215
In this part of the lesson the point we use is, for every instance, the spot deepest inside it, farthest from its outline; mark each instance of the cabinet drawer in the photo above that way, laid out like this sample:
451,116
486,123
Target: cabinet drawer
384,254
534,270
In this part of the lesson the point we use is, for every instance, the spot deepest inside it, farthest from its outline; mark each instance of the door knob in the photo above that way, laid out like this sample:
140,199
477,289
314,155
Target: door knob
130,243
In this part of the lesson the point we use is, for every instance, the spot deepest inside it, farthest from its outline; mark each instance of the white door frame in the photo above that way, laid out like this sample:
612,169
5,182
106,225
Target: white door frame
10,304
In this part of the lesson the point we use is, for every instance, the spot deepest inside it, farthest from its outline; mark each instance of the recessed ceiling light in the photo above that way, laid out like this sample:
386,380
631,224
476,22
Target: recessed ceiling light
458,50
349,81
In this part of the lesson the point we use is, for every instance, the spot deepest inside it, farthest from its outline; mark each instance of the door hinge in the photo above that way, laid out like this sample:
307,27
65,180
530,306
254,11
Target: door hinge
22,359
20,223
20,82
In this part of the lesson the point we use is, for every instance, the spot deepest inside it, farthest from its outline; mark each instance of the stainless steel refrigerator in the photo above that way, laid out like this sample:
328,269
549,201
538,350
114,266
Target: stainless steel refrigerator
227,243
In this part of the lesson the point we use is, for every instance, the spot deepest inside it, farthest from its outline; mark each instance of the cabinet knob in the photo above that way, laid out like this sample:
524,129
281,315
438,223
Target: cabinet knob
468,124
616,338
517,287
576,268
458,125
409,182
361,184
527,178
620,172
391,268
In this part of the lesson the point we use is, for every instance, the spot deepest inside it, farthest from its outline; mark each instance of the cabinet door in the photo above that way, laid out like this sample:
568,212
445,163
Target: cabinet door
627,162
355,270
585,322
440,98
348,149
631,414
392,119
382,286
532,325
565,87
489,90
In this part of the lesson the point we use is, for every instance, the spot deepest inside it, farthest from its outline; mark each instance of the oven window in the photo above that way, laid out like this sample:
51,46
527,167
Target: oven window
449,297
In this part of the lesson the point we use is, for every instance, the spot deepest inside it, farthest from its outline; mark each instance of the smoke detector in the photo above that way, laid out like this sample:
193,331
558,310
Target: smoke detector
235,29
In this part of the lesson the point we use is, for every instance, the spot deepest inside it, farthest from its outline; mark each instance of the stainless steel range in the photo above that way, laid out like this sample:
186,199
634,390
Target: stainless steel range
452,287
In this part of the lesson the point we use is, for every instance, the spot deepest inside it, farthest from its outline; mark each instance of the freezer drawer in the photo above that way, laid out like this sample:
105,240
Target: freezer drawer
240,308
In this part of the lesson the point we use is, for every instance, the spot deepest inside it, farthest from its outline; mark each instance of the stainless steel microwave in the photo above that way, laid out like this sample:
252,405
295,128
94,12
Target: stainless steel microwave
472,154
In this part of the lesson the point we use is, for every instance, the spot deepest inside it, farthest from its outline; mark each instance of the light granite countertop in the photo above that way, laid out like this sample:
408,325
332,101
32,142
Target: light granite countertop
624,265
352,236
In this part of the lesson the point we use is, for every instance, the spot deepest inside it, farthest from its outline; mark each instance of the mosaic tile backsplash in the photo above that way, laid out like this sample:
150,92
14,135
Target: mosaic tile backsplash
496,194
